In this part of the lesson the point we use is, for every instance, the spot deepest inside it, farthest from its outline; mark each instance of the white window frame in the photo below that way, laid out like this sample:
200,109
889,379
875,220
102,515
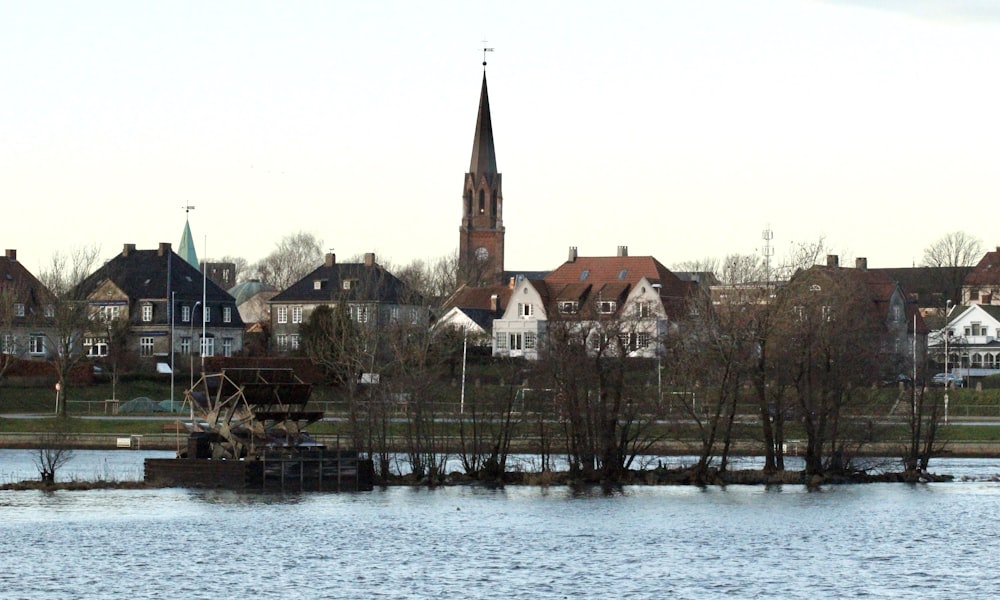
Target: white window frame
147,313
227,314
185,314
227,347
208,346
18,309
146,345
282,314
525,310
296,314
607,307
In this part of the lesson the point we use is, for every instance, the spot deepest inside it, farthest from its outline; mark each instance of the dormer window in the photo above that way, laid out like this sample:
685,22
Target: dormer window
19,310
569,307
147,313
319,284
606,307
525,309
350,283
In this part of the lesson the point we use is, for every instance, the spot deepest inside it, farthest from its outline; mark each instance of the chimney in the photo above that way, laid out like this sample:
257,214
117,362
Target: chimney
369,259
861,264
510,284
128,249
622,250
164,249
832,260
11,255
572,254
495,302
331,259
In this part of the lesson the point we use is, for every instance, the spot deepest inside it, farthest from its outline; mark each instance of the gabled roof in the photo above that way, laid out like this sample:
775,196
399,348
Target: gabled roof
484,159
142,274
987,271
26,288
368,283
611,277
479,298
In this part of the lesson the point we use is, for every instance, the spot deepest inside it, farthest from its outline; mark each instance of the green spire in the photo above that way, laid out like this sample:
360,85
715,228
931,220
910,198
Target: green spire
186,248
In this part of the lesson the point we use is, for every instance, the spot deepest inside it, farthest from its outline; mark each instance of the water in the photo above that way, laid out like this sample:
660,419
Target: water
877,541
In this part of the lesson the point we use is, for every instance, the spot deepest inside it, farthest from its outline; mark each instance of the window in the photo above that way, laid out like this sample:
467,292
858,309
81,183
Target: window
515,340
501,341
208,314
800,312
529,340
977,329
827,313
185,345
360,312
18,309
208,346
606,307
643,341
9,344
96,346
50,311
36,344
185,314
569,307
525,309
348,284
282,341
110,313
145,346
282,314
227,347
319,284
293,342
227,315
147,313
645,310
296,314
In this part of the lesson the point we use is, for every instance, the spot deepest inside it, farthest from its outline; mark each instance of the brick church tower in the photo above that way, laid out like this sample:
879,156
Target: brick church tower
480,248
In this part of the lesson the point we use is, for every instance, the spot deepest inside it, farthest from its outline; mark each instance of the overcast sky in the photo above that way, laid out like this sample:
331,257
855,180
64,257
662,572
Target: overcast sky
680,129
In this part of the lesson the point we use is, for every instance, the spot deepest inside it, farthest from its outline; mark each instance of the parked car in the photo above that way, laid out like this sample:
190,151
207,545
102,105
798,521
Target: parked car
948,379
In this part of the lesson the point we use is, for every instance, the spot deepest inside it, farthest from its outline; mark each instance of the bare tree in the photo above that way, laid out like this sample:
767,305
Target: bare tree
53,452
293,257
70,316
954,255
826,343
432,279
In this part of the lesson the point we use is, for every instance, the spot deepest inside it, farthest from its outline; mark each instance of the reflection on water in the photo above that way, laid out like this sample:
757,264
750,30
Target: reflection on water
879,540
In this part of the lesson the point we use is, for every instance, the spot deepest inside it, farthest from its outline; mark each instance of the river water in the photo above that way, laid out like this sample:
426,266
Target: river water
875,541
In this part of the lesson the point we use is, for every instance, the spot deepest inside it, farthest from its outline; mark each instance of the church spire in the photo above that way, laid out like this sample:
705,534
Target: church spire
484,158
186,248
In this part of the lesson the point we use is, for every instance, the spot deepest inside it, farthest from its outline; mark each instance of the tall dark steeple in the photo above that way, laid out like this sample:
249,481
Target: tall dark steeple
480,250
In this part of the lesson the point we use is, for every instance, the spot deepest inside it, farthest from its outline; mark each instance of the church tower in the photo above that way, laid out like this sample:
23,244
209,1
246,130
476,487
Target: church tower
480,248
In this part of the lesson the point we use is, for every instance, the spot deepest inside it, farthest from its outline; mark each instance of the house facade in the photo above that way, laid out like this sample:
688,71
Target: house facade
166,303
632,297
26,311
373,295
973,342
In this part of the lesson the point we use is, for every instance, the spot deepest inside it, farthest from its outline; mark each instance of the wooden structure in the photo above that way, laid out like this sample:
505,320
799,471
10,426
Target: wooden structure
248,432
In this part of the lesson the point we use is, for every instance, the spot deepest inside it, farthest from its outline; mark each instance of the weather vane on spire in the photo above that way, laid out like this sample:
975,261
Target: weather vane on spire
485,50
187,209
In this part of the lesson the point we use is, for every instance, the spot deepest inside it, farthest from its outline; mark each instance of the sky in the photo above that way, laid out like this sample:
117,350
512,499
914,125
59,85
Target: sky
679,129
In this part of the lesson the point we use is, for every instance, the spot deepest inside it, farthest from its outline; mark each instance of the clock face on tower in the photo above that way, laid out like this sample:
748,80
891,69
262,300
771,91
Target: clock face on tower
482,253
